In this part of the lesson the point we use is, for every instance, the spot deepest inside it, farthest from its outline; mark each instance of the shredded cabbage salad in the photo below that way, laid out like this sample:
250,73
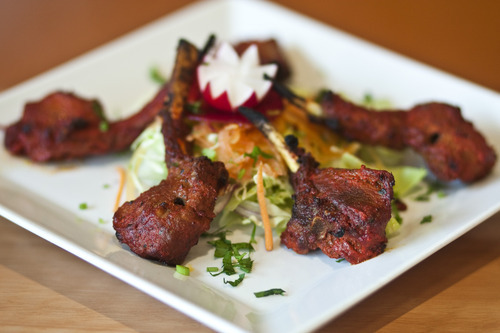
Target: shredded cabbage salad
239,205
147,166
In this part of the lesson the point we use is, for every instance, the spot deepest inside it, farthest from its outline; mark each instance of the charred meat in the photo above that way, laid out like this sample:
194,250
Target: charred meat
164,222
63,126
451,146
343,212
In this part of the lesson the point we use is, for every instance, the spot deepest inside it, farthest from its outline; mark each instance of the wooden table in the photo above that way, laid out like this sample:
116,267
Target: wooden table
44,288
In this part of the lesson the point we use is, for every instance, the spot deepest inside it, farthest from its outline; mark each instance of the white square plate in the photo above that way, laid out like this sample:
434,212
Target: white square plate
45,198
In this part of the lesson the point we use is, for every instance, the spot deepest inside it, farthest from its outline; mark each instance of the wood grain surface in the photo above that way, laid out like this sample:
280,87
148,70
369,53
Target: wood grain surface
45,289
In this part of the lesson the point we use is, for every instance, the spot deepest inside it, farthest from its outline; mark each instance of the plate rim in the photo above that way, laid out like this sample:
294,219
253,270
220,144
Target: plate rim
208,318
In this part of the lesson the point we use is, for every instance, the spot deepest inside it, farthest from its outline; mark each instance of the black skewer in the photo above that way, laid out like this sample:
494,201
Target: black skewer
311,107
262,123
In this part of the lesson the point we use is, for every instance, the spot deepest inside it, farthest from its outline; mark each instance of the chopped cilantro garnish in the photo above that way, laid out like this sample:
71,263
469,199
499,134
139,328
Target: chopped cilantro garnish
103,126
395,212
340,260
98,110
423,197
256,152
321,95
426,219
194,107
274,291
367,99
227,264
235,282
242,261
222,246
434,187
232,258
83,206
242,246
157,76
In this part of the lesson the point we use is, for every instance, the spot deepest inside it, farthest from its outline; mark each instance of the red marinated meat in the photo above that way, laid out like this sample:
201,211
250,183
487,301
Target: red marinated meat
450,145
63,126
164,222
342,212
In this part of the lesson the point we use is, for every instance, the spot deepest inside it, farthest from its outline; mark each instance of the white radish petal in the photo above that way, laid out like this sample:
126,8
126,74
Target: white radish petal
241,78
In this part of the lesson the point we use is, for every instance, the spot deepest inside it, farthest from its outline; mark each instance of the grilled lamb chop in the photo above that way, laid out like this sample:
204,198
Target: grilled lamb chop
450,145
343,212
164,222
63,126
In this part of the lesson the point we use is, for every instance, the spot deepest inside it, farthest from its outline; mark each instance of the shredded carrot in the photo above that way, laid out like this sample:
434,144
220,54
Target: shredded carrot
182,146
261,198
121,171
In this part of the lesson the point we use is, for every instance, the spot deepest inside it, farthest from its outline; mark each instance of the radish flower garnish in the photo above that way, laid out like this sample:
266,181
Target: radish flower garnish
228,81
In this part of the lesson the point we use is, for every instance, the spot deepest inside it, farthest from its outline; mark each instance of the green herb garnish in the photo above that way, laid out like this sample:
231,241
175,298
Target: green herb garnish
241,173
227,264
242,261
194,107
256,152
157,76
99,111
222,245
103,126
182,270
367,99
321,95
426,219
235,282
432,188
232,258
395,212
83,206
274,291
